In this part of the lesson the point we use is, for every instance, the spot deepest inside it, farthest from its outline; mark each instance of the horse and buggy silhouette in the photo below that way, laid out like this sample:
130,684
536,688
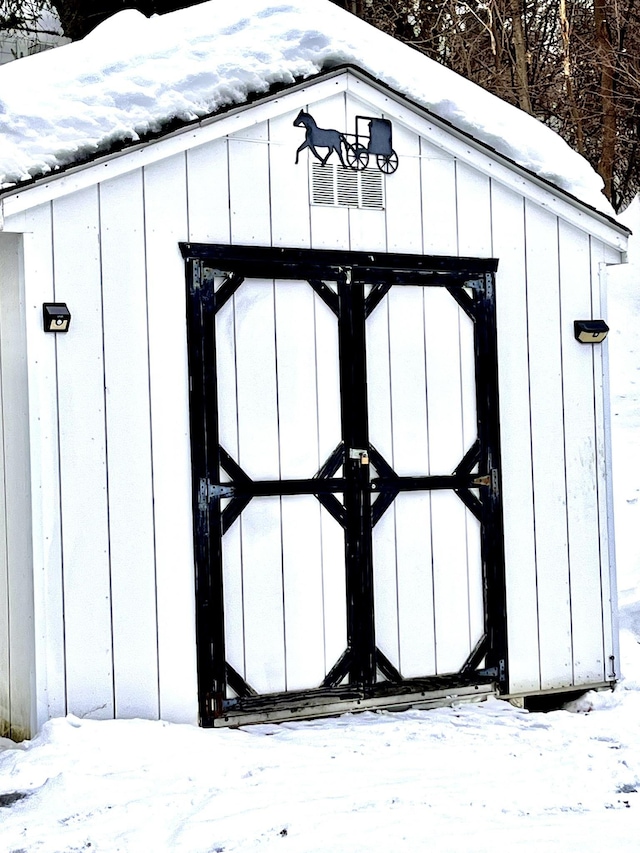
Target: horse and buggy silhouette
372,138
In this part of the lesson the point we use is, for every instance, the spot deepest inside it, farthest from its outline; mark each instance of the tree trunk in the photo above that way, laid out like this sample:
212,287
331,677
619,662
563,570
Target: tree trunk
604,50
520,47
567,71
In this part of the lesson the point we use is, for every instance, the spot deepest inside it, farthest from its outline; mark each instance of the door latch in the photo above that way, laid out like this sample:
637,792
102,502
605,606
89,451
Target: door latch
361,456
490,480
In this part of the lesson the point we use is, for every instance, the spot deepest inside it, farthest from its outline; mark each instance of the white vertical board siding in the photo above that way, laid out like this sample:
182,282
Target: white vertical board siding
208,192
508,227
257,380
165,225
131,533
548,448
453,540
399,430
473,197
45,473
385,573
16,579
329,225
249,186
83,463
296,357
367,228
258,572
264,630
227,396
581,459
289,184
403,197
329,433
439,210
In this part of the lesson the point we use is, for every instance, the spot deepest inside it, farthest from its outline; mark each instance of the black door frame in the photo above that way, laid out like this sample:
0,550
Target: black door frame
476,480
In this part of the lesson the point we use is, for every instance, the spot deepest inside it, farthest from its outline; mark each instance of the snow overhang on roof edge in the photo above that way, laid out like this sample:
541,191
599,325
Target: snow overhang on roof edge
175,129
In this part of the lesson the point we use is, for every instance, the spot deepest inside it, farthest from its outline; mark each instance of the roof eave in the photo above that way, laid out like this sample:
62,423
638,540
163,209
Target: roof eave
325,74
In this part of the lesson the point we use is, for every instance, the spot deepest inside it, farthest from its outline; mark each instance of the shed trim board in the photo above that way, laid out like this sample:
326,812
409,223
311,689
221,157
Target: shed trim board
96,421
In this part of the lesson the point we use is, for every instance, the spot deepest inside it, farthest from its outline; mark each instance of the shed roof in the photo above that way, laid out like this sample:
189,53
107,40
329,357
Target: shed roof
135,77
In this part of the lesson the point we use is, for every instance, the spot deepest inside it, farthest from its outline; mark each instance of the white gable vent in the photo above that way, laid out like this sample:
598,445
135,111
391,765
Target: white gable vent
338,186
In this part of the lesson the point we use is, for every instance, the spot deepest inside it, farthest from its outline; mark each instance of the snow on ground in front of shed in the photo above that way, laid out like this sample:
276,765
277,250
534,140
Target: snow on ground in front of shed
133,75
469,778
461,779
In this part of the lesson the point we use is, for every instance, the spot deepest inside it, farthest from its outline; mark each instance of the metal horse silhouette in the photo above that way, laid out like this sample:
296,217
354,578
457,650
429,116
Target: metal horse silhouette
317,137
377,138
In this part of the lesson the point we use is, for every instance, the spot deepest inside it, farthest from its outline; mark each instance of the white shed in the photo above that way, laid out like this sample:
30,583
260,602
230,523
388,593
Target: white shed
320,436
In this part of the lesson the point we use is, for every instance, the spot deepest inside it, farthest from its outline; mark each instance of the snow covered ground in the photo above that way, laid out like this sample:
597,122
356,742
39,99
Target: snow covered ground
463,779
471,778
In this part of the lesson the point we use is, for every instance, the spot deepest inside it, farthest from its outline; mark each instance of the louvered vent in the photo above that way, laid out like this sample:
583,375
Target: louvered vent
337,186
371,190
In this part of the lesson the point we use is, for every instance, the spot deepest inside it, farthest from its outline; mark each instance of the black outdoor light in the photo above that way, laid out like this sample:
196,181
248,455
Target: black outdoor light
590,331
56,317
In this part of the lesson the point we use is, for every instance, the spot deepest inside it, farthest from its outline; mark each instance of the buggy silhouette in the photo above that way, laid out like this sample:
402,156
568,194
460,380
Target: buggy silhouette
379,145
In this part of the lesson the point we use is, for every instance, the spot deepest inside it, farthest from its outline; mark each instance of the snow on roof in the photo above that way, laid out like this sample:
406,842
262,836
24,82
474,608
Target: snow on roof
134,76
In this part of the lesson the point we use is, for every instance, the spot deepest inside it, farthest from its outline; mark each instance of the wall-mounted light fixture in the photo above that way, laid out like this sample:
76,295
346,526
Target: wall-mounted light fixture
590,331
56,317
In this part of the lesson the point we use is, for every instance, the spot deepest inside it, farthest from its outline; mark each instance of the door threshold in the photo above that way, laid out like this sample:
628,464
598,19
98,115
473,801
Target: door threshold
314,707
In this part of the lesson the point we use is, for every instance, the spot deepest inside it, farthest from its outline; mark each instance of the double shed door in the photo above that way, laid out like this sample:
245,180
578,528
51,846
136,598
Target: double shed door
346,476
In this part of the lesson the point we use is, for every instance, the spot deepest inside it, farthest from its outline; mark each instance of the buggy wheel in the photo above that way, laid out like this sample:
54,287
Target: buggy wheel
357,157
387,163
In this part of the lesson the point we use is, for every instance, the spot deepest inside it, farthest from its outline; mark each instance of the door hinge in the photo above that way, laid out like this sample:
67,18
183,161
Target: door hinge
196,275
498,672
208,490
488,286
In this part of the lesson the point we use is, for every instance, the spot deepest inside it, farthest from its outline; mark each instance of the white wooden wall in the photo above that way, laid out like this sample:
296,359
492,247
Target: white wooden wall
111,496
17,694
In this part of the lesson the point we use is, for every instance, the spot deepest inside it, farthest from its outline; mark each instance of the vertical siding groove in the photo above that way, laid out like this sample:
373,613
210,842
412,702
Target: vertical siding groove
387,308
603,603
59,443
564,444
319,505
280,500
270,197
106,446
421,195
244,603
433,626
456,196
187,194
533,484
228,158
5,623
152,468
